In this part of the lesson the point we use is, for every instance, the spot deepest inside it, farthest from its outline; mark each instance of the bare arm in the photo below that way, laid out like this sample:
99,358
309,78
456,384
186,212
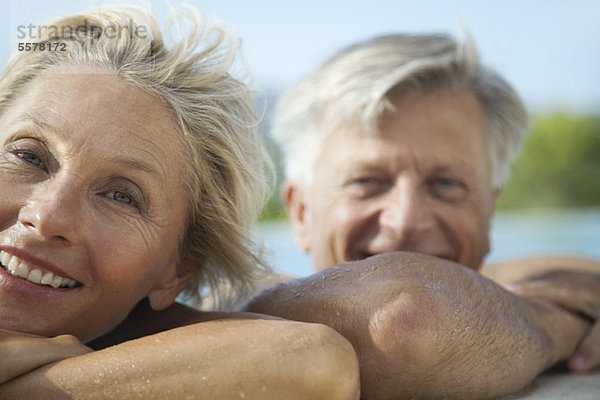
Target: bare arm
22,352
421,326
511,271
222,359
569,281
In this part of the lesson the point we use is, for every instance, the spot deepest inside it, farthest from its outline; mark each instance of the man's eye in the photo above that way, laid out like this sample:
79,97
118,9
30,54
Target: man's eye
367,186
448,189
364,181
448,183
30,158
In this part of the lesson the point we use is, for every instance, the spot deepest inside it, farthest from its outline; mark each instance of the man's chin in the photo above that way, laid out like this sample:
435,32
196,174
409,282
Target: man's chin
444,256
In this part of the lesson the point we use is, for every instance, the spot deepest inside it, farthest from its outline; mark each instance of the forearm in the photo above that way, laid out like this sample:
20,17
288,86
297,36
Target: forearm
570,282
21,352
510,271
252,359
421,326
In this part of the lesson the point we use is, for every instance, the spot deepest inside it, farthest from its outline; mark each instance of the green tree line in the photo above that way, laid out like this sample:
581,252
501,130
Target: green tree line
559,166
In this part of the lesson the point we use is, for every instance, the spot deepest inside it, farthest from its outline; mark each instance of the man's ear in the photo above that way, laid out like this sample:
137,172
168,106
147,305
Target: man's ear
171,283
294,199
496,193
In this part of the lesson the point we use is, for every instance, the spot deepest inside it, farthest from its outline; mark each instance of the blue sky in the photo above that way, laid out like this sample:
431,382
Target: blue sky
549,50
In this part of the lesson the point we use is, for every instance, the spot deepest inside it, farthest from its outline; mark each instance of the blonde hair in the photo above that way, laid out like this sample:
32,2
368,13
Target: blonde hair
213,111
354,88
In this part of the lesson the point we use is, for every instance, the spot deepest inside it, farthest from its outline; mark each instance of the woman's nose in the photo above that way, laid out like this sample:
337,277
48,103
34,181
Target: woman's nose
53,210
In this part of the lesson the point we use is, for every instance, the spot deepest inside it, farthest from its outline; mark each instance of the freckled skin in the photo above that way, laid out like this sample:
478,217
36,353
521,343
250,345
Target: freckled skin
74,196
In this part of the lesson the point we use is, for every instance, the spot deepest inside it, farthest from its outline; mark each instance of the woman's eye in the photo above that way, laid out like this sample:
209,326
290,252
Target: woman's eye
30,158
125,193
122,198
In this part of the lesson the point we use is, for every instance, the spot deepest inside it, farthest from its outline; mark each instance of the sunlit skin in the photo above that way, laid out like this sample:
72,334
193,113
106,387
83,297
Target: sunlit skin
423,184
91,174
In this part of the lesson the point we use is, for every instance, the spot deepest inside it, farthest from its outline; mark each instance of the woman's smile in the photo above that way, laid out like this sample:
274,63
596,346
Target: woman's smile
33,273
94,204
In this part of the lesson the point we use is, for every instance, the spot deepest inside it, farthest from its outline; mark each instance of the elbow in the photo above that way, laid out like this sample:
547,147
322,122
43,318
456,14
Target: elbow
330,370
399,359
399,330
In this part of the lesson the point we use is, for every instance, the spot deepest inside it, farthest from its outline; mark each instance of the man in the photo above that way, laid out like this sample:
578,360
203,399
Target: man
403,143
423,327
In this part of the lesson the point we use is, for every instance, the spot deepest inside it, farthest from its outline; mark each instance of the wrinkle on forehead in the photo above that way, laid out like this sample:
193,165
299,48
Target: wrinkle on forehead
377,152
114,118
110,100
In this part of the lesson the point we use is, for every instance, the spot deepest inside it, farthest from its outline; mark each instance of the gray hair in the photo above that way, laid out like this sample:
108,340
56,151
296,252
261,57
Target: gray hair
213,110
357,85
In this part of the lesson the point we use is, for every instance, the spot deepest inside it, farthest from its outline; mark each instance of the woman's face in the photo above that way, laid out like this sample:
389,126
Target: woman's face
92,204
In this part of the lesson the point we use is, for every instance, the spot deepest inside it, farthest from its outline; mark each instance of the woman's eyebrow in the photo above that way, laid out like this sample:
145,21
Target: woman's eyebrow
136,164
127,162
43,125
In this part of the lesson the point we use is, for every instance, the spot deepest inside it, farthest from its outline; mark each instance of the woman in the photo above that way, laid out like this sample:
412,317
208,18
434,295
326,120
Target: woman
130,172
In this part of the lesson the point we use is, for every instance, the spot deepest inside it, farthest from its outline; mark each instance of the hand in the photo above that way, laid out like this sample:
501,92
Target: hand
23,352
236,356
578,292
421,325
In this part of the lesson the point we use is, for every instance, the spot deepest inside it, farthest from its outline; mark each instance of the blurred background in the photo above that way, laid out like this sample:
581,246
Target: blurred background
549,51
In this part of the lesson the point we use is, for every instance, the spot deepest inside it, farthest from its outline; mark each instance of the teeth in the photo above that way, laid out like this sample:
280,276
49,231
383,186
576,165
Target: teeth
70,283
22,270
35,276
13,264
47,278
56,282
5,258
18,268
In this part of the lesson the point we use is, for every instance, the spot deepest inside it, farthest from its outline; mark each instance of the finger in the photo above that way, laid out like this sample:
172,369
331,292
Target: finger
568,294
587,355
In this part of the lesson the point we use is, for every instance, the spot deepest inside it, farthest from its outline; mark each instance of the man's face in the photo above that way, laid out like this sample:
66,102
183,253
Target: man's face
423,184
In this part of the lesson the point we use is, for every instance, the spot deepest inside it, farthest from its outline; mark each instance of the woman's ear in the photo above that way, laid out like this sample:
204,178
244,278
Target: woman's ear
175,279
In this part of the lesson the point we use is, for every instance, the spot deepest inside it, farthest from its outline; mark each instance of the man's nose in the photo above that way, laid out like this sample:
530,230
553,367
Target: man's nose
53,210
406,213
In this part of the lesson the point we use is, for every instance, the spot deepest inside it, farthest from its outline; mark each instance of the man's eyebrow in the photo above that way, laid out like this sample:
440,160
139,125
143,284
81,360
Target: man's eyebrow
459,168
